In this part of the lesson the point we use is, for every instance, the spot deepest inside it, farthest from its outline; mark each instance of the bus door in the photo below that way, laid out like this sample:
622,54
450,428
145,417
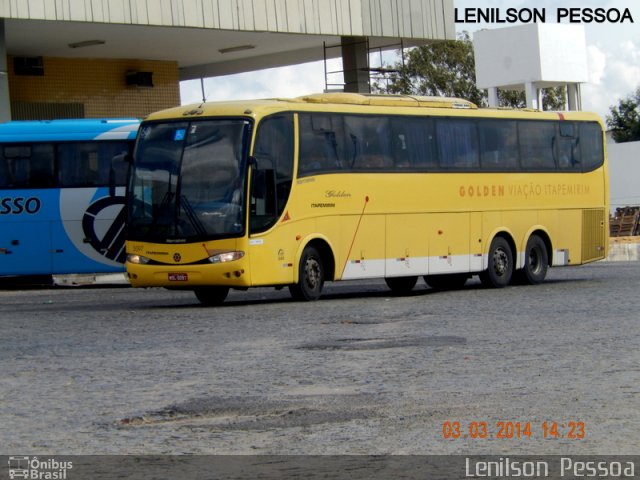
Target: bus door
271,255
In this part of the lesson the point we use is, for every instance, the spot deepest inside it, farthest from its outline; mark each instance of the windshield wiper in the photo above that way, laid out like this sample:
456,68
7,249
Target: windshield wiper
192,216
162,209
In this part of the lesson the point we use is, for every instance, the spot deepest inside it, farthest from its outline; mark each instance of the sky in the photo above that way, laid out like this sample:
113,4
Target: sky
613,59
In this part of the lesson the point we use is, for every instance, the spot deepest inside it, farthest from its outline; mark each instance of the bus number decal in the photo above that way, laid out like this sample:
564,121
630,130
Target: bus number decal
18,205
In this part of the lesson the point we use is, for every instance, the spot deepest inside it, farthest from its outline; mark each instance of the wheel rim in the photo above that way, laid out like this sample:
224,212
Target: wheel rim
500,262
313,273
535,260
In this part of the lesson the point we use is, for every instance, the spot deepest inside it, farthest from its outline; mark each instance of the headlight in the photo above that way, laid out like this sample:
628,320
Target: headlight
137,259
226,257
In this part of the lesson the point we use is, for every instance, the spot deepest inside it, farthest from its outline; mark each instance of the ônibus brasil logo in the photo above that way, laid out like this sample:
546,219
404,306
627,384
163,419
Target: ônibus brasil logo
38,469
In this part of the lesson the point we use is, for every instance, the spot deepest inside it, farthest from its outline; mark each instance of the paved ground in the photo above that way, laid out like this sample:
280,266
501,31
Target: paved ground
118,370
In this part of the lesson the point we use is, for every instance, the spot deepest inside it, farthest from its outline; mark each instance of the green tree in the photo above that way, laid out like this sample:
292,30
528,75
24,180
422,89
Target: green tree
553,98
440,68
624,120
447,68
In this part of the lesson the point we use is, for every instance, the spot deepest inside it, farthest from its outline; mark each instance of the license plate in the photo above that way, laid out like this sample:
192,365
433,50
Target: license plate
178,277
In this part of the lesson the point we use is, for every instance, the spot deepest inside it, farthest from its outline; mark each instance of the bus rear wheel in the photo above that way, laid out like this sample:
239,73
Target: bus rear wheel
310,276
401,285
536,261
211,296
500,269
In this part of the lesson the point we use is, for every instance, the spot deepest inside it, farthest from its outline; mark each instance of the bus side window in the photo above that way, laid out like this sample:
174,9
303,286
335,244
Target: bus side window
87,164
4,174
321,143
312,157
414,143
457,144
567,141
41,167
29,165
591,148
7,165
74,165
498,145
370,138
537,144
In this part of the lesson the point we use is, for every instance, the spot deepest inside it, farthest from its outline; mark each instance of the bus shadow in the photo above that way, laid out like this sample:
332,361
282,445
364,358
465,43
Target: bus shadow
330,295
351,292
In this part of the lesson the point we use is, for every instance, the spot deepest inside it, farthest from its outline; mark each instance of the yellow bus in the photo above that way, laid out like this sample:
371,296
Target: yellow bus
342,186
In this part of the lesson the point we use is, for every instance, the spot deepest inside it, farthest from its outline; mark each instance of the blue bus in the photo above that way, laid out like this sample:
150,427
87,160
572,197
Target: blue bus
58,214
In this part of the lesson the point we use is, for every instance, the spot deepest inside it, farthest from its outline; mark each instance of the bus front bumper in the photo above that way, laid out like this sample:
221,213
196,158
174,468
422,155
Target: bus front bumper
231,274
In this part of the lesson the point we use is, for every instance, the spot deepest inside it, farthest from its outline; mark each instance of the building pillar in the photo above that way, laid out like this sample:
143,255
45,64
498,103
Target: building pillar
493,97
5,102
533,96
573,96
355,65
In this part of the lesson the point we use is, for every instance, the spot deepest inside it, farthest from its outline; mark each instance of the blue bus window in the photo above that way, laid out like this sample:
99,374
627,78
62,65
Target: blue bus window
41,167
17,151
88,163
28,166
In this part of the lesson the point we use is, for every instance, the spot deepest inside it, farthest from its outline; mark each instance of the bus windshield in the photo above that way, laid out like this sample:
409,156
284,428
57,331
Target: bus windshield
188,181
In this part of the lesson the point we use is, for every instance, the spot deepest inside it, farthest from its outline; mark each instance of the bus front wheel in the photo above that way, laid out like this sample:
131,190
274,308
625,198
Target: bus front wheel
310,276
211,296
500,269
401,285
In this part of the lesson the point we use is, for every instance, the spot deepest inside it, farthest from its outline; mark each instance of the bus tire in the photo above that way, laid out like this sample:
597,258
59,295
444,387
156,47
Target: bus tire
500,269
536,261
211,296
310,276
447,281
401,285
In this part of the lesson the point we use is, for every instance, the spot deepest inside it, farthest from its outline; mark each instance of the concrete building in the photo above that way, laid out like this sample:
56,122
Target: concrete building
94,58
530,58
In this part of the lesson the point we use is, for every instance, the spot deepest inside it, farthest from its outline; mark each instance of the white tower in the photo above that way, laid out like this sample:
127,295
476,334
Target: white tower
531,57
